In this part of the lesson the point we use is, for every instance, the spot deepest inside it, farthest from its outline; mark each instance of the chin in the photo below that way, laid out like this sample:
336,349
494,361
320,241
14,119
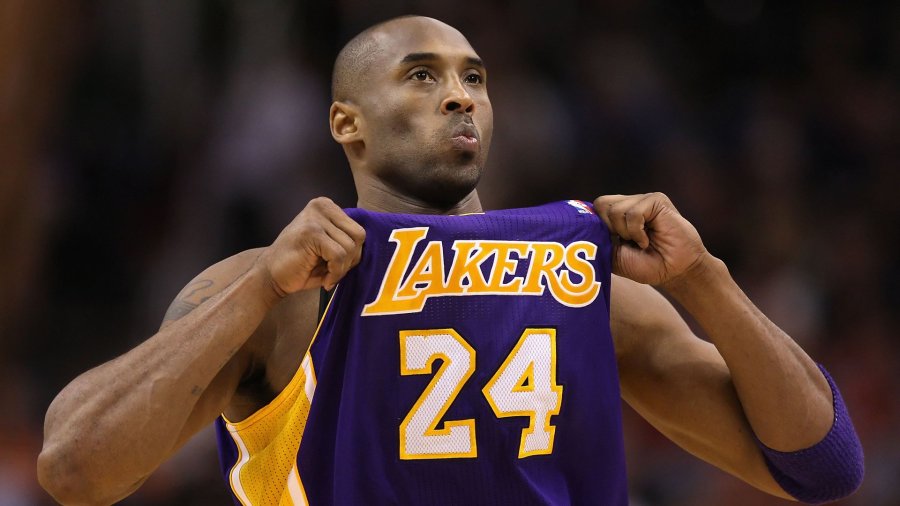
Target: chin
445,192
439,182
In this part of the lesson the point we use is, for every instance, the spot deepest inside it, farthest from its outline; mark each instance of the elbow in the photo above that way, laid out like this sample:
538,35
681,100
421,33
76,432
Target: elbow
57,478
847,482
831,484
830,470
823,473
62,479
66,479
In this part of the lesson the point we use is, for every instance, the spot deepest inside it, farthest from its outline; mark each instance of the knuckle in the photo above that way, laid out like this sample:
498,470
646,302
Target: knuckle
335,252
320,203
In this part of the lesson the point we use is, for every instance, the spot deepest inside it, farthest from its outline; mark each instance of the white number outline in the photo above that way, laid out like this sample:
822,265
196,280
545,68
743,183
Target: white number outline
427,395
520,387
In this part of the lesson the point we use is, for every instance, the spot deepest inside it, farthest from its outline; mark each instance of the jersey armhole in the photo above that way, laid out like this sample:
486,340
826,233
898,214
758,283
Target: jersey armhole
297,381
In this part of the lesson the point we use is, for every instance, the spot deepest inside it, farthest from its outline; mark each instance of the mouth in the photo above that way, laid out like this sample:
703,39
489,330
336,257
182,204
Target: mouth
465,138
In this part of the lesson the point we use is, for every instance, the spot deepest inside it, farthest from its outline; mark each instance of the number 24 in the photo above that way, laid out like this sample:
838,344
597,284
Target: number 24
524,385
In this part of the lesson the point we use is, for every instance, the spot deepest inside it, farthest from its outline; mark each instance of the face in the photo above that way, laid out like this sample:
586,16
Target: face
426,115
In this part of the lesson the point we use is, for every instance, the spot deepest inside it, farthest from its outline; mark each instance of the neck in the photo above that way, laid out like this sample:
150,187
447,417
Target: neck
375,195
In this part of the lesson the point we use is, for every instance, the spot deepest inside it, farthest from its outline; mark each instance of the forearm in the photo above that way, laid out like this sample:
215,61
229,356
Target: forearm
112,426
783,394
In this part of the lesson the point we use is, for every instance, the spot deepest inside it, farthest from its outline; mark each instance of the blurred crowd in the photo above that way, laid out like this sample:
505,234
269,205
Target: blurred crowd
141,141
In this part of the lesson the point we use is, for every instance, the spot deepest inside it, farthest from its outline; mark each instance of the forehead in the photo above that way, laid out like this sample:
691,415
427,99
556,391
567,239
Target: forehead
407,36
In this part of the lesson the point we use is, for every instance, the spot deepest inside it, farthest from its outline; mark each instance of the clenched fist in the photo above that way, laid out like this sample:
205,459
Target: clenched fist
315,250
656,244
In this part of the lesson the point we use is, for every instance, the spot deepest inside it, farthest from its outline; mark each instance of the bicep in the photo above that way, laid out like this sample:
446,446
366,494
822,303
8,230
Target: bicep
681,385
207,284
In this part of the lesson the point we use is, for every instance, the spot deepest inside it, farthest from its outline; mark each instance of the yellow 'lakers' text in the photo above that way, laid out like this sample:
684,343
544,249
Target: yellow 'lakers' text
482,267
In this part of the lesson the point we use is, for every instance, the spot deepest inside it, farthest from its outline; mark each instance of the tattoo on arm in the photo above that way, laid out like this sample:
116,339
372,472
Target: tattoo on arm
195,287
178,309
186,300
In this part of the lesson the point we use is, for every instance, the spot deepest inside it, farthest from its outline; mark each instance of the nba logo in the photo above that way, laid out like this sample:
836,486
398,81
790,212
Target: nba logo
582,207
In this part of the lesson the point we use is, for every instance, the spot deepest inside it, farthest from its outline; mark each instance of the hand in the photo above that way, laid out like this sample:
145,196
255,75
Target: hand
655,243
315,250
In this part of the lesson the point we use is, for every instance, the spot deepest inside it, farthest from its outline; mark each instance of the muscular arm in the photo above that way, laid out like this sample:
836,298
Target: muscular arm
111,427
682,385
784,394
714,399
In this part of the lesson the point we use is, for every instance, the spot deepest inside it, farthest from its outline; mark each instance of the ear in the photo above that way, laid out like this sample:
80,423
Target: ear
346,123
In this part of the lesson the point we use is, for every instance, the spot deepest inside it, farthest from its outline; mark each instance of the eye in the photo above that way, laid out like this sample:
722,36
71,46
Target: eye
473,79
421,75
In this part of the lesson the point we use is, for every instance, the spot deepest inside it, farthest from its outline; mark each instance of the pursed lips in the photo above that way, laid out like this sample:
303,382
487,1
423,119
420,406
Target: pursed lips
465,137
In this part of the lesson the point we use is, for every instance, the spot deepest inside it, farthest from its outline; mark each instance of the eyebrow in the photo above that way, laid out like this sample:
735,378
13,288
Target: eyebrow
420,57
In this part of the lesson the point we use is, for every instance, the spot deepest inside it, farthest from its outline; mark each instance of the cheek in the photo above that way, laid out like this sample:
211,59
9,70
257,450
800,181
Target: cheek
484,118
403,121
389,115
399,121
398,135
389,129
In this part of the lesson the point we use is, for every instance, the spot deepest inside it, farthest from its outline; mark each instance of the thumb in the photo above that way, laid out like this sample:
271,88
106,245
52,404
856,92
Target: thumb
634,263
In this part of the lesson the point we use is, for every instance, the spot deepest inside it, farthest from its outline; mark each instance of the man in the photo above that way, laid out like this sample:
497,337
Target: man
412,113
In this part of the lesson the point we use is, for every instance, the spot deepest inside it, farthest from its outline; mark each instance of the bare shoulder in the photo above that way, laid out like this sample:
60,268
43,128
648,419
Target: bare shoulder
211,281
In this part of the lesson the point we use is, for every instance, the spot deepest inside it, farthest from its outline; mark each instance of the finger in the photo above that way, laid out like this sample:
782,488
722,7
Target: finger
618,214
638,217
331,280
635,221
352,250
342,228
339,218
357,234
663,201
651,206
351,228
334,256
602,205
337,269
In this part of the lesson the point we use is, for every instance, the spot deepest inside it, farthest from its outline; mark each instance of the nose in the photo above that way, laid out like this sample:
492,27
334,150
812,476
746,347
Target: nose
457,99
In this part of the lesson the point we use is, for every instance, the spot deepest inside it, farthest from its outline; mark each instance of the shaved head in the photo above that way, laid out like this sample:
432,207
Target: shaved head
354,62
351,67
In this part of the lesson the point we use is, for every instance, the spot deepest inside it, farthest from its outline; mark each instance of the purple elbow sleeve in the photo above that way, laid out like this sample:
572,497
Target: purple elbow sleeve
829,470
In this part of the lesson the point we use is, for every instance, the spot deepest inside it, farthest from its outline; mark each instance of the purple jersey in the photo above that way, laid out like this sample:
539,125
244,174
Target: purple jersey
465,360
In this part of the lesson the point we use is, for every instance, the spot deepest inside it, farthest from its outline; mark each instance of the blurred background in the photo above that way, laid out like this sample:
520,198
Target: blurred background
141,141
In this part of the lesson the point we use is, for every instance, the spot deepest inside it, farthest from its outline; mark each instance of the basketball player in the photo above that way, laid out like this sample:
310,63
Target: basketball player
468,358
